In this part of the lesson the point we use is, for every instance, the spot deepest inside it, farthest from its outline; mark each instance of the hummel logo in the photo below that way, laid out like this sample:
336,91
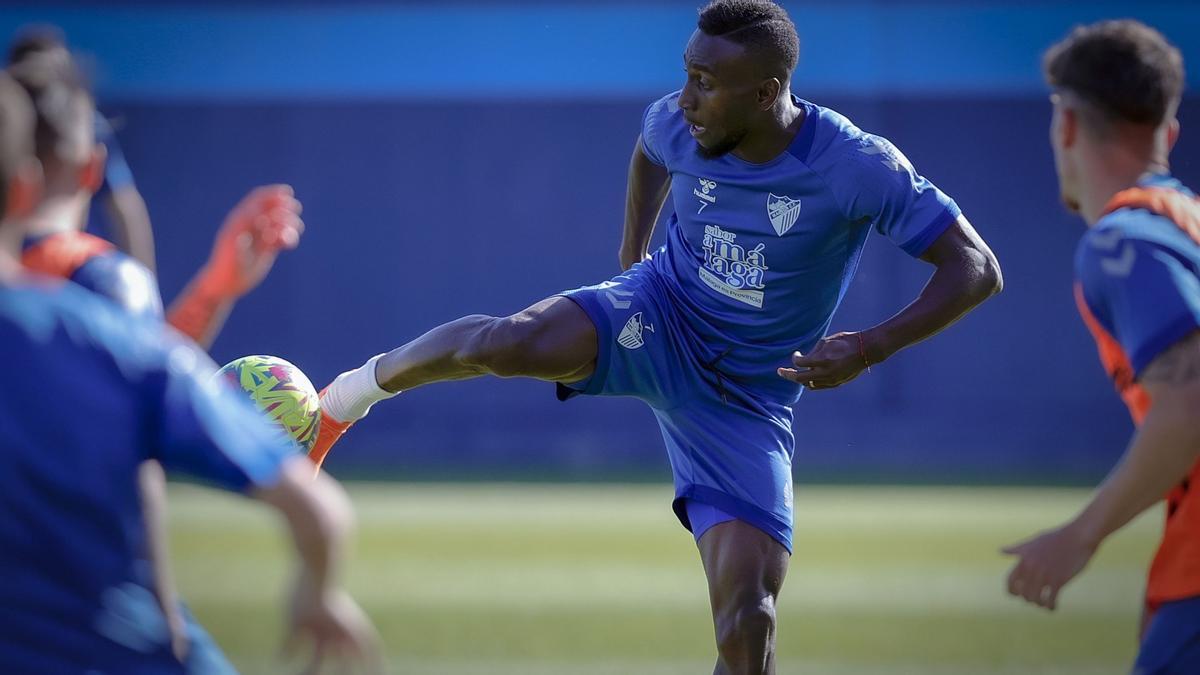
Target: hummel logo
706,187
1120,265
617,302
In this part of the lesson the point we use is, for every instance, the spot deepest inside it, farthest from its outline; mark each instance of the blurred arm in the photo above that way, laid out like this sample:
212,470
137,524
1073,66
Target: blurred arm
152,483
131,224
648,187
1165,447
319,517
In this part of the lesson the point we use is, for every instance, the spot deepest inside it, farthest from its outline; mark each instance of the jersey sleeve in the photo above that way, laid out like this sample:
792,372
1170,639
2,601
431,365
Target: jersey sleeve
206,431
880,185
123,280
654,122
1143,294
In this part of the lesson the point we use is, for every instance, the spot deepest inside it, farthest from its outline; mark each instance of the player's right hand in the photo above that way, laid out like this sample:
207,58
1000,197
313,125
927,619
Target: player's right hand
336,628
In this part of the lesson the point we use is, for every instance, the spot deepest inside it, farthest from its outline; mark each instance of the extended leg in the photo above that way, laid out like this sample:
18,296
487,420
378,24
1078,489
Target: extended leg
552,340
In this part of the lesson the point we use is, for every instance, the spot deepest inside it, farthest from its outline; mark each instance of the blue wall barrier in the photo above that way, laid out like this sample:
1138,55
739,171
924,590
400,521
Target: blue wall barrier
457,158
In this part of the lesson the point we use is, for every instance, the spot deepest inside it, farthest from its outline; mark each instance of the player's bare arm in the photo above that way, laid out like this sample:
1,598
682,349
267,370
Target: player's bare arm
649,185
131,221
965,274
319,517
1158,458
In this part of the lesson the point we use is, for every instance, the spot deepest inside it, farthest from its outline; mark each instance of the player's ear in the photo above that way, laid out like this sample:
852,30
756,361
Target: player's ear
1067,128
24,190
1172,133
92,174
768,93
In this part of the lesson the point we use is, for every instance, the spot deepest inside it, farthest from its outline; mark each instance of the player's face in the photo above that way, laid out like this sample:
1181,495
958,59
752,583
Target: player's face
720,98
1062,134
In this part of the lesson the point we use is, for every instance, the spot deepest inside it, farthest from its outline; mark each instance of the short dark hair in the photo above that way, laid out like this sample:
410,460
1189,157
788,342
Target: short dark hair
759,25
1125,69
62,102
16,133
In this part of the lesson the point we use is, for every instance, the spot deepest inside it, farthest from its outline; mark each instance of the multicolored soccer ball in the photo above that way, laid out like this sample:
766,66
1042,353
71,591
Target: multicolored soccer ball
281,391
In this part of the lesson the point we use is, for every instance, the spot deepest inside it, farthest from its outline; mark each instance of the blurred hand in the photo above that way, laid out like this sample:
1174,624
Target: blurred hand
266,221
1047,562
835,360
335,626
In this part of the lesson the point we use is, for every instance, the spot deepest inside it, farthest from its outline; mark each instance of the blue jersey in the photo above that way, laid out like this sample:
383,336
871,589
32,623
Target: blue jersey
89,394
758,256
1139,274
98,266
1138,289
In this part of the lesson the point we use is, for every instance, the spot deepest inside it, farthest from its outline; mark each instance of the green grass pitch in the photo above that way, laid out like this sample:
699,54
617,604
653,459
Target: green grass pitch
599,580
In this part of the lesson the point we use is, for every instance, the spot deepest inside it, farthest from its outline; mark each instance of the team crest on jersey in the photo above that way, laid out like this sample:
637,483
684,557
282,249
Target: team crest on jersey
783,212
631,334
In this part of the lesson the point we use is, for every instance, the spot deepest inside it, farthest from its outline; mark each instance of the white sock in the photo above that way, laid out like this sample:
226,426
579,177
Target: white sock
350,396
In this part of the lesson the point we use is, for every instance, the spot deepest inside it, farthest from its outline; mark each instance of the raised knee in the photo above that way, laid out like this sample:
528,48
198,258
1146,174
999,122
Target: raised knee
498,345
744,628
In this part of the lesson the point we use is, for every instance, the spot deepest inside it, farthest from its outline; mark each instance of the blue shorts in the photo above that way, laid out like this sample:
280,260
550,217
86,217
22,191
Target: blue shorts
729,447
1171,645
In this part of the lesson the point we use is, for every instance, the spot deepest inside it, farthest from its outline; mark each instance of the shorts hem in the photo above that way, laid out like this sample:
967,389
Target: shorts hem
738,508
594,383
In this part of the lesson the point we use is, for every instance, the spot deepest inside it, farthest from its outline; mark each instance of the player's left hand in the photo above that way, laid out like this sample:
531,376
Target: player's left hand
264,222
1047,562
835,360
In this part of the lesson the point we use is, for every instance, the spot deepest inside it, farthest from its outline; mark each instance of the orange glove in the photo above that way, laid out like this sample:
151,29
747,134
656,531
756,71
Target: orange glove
265,222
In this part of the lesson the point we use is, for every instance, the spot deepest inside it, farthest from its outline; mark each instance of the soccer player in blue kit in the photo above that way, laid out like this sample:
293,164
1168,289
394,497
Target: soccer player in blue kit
721,329
1116,89
91,394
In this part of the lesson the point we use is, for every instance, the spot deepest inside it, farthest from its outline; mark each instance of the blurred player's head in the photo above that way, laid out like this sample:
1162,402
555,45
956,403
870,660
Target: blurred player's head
1116,87
34,40
71,159
739,64
20,175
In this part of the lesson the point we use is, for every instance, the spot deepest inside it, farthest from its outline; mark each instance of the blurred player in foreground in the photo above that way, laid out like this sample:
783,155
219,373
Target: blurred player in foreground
1116,88
70,159
773,198
91,395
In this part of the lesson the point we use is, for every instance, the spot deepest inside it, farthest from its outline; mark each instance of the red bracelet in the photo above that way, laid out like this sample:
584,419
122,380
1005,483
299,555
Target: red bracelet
862,351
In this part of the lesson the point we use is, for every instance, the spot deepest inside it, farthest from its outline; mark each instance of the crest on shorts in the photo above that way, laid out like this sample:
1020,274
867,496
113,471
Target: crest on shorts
783,212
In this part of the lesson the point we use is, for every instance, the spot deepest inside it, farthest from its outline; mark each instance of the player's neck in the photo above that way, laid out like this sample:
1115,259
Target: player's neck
1110,171
767,143
10,253
58,213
